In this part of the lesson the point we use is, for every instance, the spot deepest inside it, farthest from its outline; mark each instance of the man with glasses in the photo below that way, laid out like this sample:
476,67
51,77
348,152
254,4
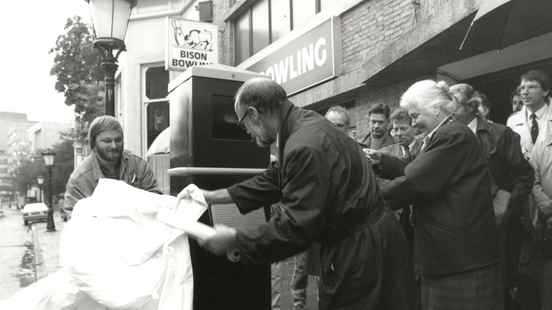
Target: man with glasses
324,191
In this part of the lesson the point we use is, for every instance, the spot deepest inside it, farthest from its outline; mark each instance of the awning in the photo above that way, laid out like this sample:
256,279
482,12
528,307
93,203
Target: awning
500,23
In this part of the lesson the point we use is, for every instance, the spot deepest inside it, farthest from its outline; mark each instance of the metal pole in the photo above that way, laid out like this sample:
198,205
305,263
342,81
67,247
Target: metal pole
109,64
50,226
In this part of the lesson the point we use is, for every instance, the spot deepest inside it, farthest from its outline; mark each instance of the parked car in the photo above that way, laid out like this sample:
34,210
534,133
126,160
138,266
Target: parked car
35,212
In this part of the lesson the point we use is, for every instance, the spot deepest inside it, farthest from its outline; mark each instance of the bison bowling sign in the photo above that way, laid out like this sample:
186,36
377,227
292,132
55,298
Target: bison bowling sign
190,44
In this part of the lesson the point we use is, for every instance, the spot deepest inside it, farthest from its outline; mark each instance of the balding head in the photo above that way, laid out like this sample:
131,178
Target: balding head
261,93
257,107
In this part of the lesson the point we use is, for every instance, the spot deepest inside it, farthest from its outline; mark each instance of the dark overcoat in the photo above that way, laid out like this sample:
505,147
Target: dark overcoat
449,185
325,190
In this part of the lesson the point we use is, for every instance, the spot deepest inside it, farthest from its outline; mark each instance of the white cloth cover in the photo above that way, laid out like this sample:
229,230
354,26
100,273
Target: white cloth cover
118,252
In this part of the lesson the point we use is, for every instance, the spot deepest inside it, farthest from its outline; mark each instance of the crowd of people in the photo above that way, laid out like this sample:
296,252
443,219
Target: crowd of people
438,207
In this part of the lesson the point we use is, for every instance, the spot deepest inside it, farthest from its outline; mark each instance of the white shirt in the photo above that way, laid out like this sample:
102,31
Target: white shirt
473,125
520,123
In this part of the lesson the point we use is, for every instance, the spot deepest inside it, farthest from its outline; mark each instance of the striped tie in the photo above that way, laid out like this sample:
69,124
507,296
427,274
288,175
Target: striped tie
534,128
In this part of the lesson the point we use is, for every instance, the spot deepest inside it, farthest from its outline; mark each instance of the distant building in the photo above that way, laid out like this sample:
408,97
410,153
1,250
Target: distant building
13,127
44,135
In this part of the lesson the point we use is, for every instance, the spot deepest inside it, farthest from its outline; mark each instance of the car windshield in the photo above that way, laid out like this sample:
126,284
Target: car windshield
35,207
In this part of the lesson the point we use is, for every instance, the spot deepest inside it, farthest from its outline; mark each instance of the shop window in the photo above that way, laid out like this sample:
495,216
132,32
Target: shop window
156,103
157,119
157,81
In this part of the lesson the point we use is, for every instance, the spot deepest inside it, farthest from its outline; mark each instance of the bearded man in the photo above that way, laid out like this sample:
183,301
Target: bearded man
108,159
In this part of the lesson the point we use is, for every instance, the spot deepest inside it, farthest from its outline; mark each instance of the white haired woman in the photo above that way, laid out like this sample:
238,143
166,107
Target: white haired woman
449,185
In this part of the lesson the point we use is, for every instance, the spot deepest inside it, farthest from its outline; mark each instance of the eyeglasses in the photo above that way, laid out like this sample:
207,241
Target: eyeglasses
240,121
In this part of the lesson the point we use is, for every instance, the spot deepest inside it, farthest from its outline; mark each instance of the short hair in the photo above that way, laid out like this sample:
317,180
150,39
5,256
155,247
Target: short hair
428,94
340,110
539,76
101,124
483,99
380,108
262,93
468,93
400,115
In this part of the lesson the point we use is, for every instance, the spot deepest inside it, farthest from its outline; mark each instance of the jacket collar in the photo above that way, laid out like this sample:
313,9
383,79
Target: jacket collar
288,115
482,125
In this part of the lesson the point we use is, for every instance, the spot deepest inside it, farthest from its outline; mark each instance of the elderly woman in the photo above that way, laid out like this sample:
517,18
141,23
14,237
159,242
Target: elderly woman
449,185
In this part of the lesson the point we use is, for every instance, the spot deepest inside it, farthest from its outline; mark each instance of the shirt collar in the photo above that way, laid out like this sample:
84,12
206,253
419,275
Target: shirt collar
473,125
539,113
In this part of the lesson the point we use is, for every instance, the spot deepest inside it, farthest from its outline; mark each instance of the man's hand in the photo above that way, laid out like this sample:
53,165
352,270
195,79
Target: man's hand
186,193
221,242
373,156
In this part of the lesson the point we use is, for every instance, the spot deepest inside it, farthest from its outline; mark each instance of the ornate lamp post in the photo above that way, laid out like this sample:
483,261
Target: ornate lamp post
110,18
48,157
40,181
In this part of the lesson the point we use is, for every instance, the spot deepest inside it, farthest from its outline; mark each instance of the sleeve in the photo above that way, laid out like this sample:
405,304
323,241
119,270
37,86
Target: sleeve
543,202
430,173
259,191
148,181
305,190
72,194
522,172
390,167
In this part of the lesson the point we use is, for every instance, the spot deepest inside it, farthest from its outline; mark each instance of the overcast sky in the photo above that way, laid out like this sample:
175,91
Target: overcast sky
28,29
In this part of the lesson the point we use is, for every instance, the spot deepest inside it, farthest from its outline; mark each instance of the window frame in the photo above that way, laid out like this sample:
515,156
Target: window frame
145,101
249,11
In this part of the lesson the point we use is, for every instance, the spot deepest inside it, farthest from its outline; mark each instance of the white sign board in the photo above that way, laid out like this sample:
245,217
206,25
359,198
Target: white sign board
190,44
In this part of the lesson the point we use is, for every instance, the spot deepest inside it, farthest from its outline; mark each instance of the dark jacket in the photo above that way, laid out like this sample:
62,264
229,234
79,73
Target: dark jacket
368,142
324,190
449,185
509,168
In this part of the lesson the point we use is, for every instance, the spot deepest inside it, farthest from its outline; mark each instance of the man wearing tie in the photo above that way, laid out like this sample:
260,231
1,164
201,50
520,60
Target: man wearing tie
535,115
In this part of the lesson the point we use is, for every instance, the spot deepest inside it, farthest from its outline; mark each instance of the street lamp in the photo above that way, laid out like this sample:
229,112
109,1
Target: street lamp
48,157
40,181
110,19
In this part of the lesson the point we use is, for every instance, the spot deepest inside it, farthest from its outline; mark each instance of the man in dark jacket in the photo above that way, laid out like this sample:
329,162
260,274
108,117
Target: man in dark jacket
512,182
323,190
449,185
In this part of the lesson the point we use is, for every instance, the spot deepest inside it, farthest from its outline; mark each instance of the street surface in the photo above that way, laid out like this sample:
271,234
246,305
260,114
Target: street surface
12,236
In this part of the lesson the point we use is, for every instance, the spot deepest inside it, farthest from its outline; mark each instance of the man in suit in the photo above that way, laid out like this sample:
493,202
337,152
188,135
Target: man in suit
512,182
535,116
449,185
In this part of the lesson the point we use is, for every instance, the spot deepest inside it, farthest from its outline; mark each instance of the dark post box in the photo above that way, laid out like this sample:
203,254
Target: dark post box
205,133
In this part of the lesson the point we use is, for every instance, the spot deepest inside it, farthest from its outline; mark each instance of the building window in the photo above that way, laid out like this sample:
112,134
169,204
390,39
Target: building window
242,38
280,18
265,21
156,102
260,21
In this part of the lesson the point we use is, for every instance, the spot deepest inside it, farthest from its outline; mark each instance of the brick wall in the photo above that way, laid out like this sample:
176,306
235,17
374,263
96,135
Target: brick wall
366,30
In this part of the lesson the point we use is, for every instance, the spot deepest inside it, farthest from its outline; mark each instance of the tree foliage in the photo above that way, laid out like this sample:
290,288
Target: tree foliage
77,69
27,166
